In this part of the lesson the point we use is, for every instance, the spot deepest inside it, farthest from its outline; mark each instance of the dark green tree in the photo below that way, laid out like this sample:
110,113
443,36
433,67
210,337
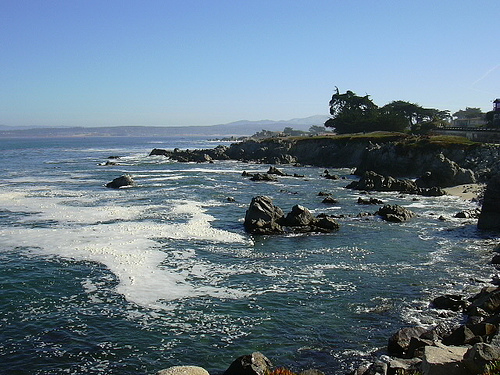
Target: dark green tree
469,113
351,113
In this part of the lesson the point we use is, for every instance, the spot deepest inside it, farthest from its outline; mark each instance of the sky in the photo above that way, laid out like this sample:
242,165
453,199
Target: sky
206,62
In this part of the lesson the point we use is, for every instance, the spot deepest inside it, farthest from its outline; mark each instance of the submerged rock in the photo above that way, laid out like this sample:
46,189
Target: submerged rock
125,180
395,213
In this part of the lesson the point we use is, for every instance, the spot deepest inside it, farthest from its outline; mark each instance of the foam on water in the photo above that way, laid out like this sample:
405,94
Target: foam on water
118,237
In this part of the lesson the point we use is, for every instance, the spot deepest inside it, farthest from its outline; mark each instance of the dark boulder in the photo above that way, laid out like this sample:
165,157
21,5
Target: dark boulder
490,211
250,364
471,334
299,216
399,342
330,200
487,300
122,181
328,223
276,171
262,217
369,201
263,177
372,181
443,172
469,214
395,213
448,302
479,356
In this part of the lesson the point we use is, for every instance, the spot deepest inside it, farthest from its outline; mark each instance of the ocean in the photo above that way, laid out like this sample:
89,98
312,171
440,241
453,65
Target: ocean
131,281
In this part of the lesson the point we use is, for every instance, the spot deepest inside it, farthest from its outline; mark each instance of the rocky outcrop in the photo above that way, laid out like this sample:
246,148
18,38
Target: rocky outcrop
262,217
122,181
399,159
401,155
250,364
490,211
198,156
372,181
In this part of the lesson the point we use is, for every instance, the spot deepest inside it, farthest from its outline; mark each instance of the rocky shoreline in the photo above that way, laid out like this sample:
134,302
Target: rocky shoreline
438,169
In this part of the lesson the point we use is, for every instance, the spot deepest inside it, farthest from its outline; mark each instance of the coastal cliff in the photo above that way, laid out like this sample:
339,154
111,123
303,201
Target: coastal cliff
441,161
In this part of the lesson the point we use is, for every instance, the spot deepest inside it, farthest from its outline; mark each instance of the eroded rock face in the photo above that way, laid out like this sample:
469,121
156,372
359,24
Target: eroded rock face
125,180
443,172
490,211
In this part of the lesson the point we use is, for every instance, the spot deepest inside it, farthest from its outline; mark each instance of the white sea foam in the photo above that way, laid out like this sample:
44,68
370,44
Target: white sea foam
119,238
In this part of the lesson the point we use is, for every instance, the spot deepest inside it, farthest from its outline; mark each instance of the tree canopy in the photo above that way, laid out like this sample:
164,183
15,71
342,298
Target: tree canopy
469,113
352,114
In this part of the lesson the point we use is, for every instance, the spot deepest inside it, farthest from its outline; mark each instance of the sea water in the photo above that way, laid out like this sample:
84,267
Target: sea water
134,280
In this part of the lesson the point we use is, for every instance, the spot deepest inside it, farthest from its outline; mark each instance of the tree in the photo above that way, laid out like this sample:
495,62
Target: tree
351,113
469,113
316,129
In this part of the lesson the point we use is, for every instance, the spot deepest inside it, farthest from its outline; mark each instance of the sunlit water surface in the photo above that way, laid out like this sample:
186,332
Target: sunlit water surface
130,281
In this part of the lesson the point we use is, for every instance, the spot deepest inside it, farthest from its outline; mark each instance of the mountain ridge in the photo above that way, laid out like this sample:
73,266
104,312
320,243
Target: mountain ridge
237,128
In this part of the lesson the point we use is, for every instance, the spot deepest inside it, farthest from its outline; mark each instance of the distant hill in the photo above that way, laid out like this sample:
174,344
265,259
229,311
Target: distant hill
238,128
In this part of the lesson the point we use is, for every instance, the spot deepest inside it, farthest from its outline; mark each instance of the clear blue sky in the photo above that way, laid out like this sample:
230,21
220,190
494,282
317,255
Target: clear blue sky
188,62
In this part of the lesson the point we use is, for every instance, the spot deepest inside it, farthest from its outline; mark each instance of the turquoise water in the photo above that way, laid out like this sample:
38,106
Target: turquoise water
134,280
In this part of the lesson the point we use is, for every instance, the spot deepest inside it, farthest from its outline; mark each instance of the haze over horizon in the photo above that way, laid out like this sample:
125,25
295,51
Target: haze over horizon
175,63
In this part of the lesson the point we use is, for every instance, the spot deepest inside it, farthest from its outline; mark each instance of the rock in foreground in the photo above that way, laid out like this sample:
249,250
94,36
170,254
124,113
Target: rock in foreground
183,370
251,364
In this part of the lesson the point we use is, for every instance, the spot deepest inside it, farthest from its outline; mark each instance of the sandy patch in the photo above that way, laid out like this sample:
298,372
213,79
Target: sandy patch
467,191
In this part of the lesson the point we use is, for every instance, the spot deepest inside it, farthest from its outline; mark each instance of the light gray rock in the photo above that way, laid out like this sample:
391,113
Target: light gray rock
183,370
444,360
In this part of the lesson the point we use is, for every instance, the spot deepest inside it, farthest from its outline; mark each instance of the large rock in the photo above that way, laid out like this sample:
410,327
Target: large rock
251,364
262,217
395,213
299,216
122,181
183,370
490,211
399,342
444,360
479,356
448,302
443,172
